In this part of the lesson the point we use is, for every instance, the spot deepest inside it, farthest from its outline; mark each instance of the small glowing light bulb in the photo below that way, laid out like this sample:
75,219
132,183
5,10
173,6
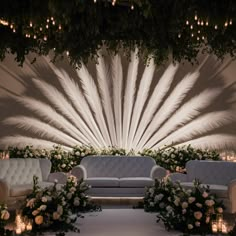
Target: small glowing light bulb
202,23
54,49
47,26
35,36
31,24
230,22
132,7
67,53
40,28
48,20
95,1
53,22
198,23
195,17
11,26
199,31
59,27
226,24
45,38
216,27
191,27
203,37
52,18
179,36
14,30
187,22
192,35
113,3
207,23
198,38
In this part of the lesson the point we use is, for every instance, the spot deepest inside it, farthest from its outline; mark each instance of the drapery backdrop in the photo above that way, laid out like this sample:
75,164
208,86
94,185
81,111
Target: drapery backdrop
118,102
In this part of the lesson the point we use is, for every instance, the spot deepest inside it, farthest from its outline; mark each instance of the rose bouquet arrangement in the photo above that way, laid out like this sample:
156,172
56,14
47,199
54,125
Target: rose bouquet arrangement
74,194
48,209
4,217
174,159
188,210
80,151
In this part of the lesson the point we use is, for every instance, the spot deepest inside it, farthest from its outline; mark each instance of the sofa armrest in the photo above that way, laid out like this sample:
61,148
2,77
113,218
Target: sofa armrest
61,177
232,195
158,172
79,172
4,191
178,177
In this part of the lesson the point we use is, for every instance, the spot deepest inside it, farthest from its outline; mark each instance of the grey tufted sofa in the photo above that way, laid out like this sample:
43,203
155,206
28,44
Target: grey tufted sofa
118,175
16,177
219,175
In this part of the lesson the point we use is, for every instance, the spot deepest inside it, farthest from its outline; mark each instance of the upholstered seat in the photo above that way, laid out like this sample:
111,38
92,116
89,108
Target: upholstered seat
118,175
220,176
16,177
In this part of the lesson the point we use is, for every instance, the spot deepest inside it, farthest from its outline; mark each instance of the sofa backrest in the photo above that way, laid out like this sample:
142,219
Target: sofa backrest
118,166
211,172
21,171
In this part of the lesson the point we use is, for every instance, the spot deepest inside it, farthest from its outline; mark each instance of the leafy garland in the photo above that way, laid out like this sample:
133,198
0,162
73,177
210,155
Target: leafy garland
79,28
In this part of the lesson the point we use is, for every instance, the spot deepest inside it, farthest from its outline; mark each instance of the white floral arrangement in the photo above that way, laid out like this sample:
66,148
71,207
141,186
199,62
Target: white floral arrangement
174,159
4,217
53,207
190,211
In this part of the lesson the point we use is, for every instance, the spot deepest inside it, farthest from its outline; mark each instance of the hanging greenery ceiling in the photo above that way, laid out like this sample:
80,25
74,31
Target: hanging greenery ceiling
79,28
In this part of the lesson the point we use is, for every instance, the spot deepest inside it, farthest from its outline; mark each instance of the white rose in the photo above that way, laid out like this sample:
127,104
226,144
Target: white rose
69,195
77,153
205,194
25,156
197,224
72,189
42,207
184,211
190,226
63,165
169,208
38,220
151,204
176,201
184,205
191,200
199,205
44,199
5,215
59,157
55,215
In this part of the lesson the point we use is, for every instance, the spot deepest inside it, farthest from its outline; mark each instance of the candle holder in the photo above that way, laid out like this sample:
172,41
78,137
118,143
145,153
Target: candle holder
219,219
214,226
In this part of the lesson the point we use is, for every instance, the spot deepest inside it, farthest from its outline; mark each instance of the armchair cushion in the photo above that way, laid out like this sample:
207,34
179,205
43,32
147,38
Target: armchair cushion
79,171
158,172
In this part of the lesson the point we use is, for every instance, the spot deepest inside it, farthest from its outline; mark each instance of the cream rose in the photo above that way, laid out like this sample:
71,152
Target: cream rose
209,203
190,226
42,207
205,194
199,205
198,215
44,199
220,209
35,212
55,215
197,224
191,200
5,215
38,220
184,205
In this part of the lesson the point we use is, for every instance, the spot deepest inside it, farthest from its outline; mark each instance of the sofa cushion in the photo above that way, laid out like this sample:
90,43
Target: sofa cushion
103,182
221,191
136,182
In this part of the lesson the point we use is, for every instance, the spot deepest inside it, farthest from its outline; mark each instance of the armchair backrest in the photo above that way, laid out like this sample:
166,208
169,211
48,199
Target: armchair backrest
21,171
211,172
118,166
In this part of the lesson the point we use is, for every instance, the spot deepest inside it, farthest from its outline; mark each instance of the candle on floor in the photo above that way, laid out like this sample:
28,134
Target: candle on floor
214,227
224,228
29,226
18,231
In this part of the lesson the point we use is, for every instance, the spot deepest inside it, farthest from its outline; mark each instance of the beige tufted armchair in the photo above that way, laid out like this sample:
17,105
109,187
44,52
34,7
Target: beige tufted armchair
16,177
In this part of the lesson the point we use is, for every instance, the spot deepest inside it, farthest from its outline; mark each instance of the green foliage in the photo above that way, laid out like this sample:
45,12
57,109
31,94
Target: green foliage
189,211
81,27
174,159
